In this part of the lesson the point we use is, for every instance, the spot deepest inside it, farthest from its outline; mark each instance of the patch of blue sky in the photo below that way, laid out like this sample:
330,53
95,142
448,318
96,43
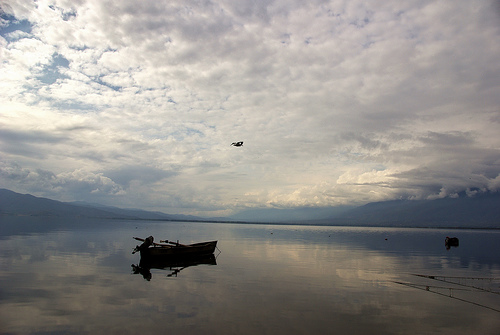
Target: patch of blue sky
108,85
51,73
9,24
73,105
61,104
186,132
379,167
178,134
192,131
66,15
78,48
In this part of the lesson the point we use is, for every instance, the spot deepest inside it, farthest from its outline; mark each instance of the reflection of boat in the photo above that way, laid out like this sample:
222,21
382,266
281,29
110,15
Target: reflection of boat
168,248
450,242
173,264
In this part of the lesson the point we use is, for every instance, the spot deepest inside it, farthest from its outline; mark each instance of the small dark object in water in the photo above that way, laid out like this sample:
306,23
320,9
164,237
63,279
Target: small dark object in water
451,242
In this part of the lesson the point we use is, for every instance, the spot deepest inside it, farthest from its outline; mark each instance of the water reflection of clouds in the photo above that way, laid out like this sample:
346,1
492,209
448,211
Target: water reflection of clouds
322,260
360,275
289,282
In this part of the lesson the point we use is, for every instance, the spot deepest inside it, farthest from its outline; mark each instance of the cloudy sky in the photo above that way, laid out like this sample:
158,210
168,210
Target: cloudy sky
135,103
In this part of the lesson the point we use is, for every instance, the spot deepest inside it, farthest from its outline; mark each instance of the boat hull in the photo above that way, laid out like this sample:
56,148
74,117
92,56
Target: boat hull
177,251
181,262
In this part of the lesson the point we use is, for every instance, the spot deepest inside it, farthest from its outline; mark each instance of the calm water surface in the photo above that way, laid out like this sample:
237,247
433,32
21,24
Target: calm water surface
76,277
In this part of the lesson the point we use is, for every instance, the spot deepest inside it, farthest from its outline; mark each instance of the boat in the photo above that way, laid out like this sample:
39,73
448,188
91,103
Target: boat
173,249
451,242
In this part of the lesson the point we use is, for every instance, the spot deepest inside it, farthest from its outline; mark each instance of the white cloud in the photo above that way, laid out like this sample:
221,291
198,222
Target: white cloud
337,101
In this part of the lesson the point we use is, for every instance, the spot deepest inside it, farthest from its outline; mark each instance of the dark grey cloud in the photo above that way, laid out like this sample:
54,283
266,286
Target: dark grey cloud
142,174
452,139
35,136
27,143
83,184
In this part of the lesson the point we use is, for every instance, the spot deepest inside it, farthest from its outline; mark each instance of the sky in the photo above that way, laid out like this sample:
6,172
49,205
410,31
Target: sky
135,103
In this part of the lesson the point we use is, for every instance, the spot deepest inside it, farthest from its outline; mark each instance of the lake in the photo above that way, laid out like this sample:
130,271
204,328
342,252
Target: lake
76,277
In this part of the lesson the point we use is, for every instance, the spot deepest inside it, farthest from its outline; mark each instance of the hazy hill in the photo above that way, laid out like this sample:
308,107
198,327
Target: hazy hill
478,211
138,213
12,203
482,210
294,215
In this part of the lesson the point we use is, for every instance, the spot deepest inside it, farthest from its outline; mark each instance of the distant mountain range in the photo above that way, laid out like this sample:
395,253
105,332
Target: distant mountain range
12,203
480,211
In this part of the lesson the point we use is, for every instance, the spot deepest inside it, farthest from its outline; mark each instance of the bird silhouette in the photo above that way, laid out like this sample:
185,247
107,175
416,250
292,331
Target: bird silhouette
237,144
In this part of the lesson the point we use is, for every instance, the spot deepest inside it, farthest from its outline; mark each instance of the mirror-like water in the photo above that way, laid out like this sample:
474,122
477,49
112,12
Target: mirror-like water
77,277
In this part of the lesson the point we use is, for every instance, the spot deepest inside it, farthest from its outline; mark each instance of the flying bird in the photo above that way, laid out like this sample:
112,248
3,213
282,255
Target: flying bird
237,144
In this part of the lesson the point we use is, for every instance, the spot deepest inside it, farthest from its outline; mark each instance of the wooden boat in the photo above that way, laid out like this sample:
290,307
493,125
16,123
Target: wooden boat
173,249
